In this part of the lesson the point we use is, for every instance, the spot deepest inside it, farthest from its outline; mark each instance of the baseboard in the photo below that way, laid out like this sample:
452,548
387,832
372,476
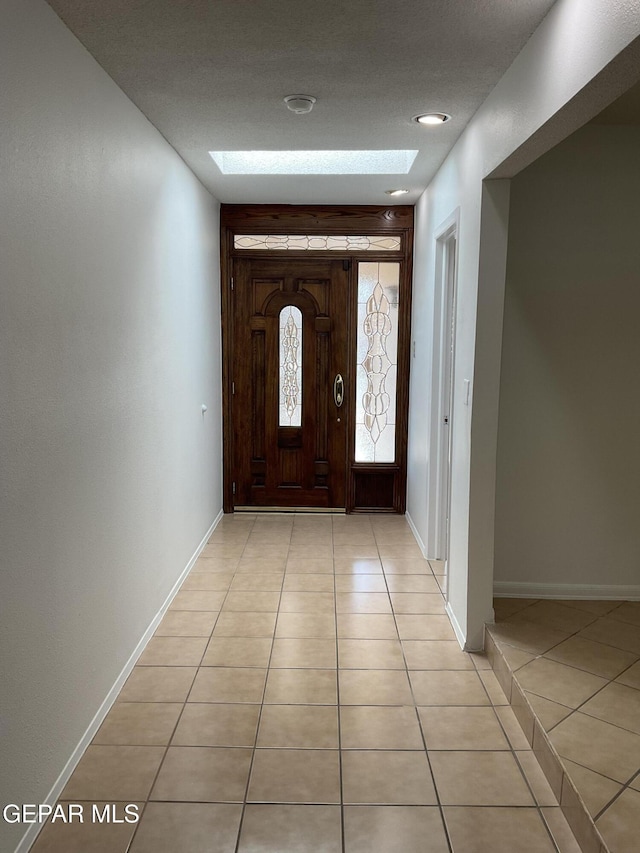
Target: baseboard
460,636
30,836
418,538
611,592
455,625
287,510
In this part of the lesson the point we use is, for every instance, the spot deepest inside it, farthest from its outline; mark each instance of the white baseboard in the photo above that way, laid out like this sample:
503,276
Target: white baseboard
460,636
611,592
466,645
418,538
455,625
30,836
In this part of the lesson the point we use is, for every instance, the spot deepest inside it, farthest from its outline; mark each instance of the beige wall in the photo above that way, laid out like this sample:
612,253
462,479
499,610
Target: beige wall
568,475
109,345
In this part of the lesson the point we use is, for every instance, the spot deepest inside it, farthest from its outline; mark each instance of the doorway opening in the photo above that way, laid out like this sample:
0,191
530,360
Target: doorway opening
444,363
316,306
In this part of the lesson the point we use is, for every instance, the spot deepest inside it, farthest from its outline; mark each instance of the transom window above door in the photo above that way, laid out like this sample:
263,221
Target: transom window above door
320,242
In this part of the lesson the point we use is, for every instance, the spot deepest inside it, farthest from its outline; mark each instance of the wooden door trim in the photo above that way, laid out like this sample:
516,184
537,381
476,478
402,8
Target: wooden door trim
318,219
226,314
315,219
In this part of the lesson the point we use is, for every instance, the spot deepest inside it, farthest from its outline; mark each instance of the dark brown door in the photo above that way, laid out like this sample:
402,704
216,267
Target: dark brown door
289,345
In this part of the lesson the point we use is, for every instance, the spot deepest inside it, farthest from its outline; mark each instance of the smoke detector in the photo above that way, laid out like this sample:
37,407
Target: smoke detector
300,104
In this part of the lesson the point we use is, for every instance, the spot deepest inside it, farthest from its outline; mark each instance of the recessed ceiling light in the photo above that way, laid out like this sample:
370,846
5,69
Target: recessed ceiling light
396,192
432,118
314,162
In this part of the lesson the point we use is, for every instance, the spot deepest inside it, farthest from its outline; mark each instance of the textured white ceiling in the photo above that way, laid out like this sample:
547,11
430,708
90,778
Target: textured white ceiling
211,76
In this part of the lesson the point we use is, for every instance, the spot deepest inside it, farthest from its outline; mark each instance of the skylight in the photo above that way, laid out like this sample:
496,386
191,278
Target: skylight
314,162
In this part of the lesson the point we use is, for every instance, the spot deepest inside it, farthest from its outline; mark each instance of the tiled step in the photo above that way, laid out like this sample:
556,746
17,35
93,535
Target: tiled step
575,811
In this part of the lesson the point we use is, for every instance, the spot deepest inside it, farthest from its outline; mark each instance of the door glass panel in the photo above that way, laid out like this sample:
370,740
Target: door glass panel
377,359
333,242
290,366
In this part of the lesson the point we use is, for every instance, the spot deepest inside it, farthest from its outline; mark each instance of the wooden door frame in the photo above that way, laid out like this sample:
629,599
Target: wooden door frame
332,220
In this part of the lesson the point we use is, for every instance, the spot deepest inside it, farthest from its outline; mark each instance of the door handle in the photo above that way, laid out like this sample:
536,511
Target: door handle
338,390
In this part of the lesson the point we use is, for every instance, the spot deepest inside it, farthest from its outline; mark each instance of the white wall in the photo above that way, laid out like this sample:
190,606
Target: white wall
540,100
568,487
109,344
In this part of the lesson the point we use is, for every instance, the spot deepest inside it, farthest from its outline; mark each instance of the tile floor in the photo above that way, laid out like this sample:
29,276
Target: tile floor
578,666
305,692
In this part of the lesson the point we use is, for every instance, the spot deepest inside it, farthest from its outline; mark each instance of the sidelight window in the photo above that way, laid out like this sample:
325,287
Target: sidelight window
377,361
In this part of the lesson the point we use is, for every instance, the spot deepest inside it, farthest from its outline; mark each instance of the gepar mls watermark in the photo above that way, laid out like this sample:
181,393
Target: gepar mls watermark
71,813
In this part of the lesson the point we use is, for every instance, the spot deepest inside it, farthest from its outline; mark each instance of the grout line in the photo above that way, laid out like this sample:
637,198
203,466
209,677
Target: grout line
264,692
340,767
420,726
514,754
199,667
545,822
179,718
578,669
613,799
565,774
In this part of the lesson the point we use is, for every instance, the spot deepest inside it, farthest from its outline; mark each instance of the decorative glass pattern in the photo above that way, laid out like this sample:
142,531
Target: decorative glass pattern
338,242
377,343
290,366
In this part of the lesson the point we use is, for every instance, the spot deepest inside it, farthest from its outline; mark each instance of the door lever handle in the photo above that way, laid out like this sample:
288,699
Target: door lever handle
338,390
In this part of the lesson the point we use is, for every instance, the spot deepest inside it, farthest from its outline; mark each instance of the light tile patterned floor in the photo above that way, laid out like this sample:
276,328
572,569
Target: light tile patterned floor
306,694
578,663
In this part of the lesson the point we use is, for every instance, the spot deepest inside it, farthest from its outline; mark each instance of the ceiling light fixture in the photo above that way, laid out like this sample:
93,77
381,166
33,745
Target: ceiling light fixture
432,118
300,104
396,192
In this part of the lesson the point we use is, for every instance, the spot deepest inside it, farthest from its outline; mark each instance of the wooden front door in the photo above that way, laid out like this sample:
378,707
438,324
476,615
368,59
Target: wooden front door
289,345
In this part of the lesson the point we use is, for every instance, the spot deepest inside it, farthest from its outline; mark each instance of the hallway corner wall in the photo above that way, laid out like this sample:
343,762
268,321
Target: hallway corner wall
583,52
109,347
568,490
